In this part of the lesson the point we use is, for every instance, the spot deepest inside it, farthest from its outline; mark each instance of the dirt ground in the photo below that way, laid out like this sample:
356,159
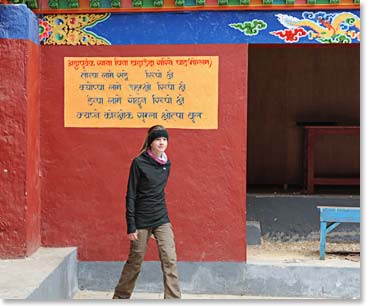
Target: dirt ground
274,250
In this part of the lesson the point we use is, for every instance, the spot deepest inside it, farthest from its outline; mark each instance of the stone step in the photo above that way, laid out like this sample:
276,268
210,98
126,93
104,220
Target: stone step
48,274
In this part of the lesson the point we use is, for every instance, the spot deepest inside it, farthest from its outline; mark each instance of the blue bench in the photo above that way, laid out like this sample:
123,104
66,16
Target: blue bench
334,215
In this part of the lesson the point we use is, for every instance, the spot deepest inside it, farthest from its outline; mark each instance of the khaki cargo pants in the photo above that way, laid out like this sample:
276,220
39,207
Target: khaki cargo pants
167,253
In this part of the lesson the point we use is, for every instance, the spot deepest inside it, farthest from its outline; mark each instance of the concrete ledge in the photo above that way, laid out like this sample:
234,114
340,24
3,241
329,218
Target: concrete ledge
50,273
253,233
308,281
312,279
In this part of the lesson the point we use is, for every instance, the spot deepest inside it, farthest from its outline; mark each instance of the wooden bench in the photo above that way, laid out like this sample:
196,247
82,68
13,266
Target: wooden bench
334,215
311,134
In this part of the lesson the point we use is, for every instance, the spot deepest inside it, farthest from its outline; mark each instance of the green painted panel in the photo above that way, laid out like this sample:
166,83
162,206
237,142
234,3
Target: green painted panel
148,3
63,4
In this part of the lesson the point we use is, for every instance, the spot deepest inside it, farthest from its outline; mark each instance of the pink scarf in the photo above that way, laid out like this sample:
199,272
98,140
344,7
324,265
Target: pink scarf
162,160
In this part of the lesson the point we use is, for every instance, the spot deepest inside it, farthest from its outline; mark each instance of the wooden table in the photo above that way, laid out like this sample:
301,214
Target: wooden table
311,134
334,215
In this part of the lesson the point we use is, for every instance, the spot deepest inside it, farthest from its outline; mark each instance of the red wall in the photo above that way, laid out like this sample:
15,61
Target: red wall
85,170
19,148
33,185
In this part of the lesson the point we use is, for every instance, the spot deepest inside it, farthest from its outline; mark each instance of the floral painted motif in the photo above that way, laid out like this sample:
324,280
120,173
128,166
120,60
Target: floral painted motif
44,29
72,29
250,28
320,26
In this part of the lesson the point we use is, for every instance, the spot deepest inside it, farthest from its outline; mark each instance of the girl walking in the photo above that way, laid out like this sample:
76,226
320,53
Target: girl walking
146,215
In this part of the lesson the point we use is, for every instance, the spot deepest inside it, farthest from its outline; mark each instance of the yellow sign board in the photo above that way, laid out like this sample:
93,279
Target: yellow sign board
175,91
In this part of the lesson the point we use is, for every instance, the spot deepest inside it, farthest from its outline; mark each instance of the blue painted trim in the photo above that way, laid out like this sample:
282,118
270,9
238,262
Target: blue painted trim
332,226
340,214
230,27
322,240
18,22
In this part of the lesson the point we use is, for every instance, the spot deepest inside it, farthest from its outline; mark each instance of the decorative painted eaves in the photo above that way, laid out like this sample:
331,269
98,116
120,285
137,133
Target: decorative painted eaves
281,27
100,6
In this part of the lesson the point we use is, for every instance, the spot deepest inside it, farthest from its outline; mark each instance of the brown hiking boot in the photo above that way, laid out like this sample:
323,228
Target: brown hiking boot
119,297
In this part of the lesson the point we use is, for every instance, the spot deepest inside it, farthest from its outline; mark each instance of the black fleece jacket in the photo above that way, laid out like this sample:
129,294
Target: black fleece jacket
145,198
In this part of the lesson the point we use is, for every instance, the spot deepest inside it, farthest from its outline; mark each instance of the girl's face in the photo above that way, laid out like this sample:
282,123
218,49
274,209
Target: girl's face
159,145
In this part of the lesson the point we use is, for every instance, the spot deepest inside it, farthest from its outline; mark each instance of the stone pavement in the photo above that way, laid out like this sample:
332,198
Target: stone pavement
107,295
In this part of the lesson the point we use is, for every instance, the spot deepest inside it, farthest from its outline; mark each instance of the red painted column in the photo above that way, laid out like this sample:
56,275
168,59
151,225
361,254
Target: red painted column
19,134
